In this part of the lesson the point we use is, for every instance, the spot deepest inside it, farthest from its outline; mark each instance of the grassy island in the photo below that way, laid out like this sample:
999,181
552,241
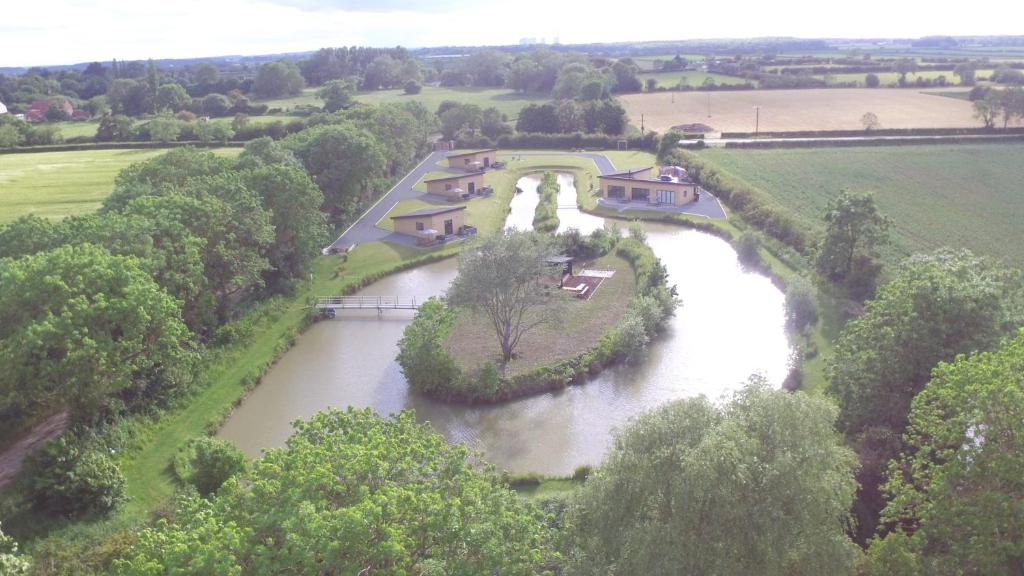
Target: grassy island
452,350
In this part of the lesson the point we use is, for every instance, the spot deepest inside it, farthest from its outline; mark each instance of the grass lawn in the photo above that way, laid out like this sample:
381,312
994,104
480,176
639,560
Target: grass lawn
472,342
58,184
690,78
507,101
78,128
963,195
306,98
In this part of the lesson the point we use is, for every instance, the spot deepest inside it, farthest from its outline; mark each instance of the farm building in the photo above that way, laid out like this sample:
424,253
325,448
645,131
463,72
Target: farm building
473,161
3,109
670,187
427,224
39,108
454,187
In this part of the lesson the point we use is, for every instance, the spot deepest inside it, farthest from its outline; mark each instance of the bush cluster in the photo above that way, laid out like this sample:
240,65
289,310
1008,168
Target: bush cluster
545,217
521,140
72,477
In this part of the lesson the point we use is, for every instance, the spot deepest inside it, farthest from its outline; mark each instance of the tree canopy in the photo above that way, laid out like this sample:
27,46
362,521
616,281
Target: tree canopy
854,230
960,481
352,492
100,321
761,485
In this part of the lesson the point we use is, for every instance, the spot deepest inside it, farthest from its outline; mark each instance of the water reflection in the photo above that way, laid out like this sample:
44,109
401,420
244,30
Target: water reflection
731,325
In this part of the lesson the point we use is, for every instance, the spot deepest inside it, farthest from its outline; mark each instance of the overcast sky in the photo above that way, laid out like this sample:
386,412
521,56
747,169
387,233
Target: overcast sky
69,31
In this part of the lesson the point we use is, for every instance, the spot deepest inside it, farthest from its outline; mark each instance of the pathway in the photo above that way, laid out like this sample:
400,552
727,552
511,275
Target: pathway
12,458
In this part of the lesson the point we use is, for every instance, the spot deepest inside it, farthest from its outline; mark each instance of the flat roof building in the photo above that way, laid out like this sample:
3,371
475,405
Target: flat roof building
672,186
429,223
473,161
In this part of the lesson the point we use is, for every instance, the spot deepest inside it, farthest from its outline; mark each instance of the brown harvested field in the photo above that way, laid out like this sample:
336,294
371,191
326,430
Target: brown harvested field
787,110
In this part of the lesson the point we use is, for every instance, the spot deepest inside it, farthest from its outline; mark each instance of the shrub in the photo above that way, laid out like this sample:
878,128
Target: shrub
631,337
801,309
581,473
11,563
413,87
206,463
545,216
488,380
68,478
747,248
421,352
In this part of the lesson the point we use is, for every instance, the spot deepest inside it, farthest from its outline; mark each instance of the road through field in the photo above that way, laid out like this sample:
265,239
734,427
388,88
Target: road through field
788,110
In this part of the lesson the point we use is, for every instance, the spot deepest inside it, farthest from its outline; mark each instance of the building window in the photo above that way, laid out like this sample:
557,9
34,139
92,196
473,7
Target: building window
641,194
665,196
419,226
616,191
447,187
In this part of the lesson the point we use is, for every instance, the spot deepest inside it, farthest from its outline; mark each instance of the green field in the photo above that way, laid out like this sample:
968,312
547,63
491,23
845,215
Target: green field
307,98
692,78
887,78
506,101
58,184
966,195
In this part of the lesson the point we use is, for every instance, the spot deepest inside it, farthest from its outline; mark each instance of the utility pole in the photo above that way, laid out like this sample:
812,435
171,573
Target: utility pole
641,124
757,119
709,104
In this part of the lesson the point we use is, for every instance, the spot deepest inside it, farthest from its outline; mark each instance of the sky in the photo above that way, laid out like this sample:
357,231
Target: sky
71,31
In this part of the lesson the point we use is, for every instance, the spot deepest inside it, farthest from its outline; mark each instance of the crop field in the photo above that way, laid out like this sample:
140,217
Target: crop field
887,78
782,110
58,184
693,78
966,195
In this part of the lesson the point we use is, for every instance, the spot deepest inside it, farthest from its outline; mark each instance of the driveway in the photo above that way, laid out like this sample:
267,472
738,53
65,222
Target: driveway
365,230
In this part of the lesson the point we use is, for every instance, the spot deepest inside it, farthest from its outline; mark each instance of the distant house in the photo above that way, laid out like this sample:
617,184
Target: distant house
473,161
453,187
695,128
37,111
3,109
671,187
429,223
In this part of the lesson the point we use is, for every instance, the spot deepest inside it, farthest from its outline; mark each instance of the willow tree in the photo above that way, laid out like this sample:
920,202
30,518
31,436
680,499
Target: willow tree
502,278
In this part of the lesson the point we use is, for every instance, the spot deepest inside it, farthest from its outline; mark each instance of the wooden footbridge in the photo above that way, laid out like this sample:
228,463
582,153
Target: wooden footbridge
330,305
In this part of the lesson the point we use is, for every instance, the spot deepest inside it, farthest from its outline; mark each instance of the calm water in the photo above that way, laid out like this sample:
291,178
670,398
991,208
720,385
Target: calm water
731,325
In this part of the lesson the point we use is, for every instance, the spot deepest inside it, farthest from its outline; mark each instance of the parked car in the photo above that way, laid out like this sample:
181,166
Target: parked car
497,165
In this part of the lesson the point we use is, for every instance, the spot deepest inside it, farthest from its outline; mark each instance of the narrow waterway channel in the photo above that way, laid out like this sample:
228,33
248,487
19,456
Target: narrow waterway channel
731,325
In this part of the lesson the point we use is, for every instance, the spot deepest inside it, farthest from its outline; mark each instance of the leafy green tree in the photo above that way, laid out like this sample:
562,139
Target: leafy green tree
965,71
128,97
276,79
115,128
164,128
854,230
352,492
206,75
171,170
100,321
69,478
986,109
337,95
959,485
905,66
293,201
538,118
871,80
501,279
935,307
172,96
383,72
345,184
266,151
761,485
460,117
27,235
11,562
801,303
216,105
625,71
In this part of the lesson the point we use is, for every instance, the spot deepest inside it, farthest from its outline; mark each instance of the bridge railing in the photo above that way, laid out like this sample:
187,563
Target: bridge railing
367,302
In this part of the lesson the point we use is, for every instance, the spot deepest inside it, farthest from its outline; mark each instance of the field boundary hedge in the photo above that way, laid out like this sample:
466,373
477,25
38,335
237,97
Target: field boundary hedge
878,142
879,132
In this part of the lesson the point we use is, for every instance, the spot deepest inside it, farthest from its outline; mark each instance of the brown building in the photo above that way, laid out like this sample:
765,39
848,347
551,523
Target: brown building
473,161
453,187
429,223
641,185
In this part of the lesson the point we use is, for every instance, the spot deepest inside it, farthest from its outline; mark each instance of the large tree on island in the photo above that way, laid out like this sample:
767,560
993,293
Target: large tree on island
353,493
502,279
761,485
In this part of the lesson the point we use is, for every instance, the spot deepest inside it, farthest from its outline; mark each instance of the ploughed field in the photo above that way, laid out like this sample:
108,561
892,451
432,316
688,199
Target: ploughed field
966,195
788,110
58,184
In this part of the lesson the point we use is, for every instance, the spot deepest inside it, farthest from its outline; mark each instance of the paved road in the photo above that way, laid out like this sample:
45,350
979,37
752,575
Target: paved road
365,230
604,165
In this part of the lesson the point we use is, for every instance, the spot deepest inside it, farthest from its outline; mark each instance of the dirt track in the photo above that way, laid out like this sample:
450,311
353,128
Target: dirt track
12,458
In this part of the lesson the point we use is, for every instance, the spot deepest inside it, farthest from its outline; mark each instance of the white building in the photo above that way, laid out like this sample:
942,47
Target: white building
3,109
